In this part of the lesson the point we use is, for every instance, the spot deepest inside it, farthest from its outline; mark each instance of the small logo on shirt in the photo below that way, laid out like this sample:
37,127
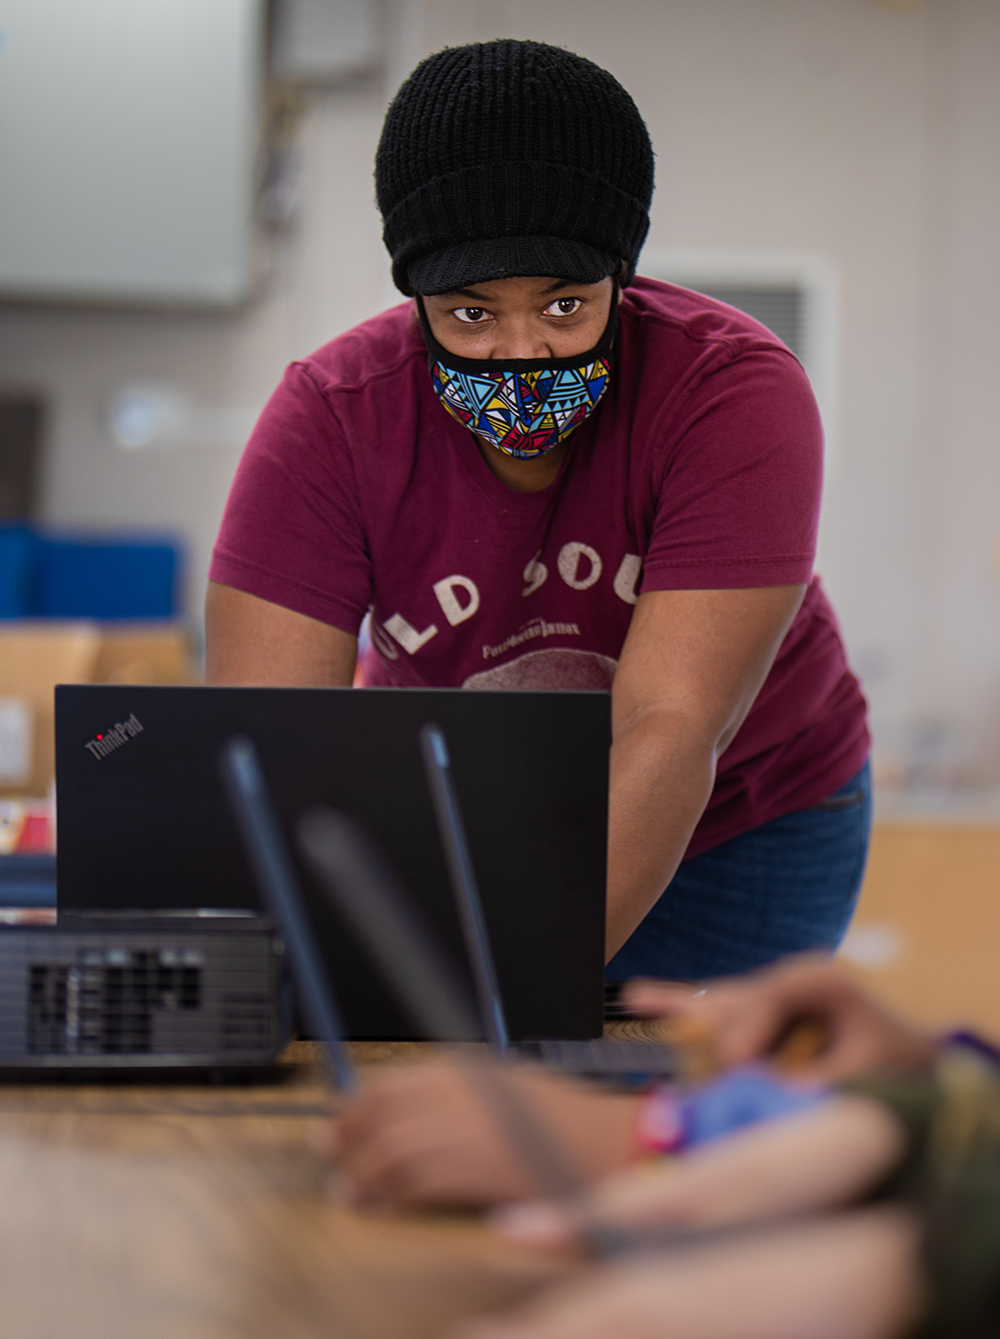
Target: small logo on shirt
538,627
114,737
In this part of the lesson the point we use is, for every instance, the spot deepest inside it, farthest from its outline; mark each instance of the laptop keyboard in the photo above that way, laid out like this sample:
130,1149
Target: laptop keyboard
629,1061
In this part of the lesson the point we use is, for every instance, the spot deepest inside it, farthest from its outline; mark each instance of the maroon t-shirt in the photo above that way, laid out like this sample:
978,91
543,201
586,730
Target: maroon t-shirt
699,470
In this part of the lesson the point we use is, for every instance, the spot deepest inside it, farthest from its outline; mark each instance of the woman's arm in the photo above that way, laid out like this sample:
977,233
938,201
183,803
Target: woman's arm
690,669
253,642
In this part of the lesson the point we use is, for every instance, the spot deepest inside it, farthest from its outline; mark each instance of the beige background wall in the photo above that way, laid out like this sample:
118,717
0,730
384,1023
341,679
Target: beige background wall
928,923
860,131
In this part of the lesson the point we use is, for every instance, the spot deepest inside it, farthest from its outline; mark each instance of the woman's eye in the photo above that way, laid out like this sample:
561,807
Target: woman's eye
564,307
470,315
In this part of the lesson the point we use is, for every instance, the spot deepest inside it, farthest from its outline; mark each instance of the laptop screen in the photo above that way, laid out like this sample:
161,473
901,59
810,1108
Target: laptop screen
144,824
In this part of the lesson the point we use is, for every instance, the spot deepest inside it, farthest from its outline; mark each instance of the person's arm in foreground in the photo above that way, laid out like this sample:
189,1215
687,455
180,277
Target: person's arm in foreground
825,1158
419,1136
852,1276
250,641
931,1141
692,664
855,1275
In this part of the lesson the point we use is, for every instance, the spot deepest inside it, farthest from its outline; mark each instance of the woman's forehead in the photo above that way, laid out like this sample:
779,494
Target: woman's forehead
516,289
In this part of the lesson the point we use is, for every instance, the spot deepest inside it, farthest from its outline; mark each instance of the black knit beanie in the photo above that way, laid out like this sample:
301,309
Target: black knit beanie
505,158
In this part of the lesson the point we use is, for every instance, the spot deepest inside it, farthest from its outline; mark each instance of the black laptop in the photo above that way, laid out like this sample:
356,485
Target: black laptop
144,823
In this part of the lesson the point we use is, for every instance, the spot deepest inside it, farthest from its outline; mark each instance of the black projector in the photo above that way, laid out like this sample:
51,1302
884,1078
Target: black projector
142,993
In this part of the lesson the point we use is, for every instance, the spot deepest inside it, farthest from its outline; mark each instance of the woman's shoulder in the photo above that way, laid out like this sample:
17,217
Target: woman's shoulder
659,310
384,346
682,351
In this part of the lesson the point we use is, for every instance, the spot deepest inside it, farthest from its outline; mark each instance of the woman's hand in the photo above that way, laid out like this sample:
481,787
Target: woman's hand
853,1276
423,1135
750,1017
827,1157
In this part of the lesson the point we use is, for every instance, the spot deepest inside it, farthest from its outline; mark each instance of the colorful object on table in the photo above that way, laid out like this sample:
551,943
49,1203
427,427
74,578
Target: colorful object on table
670,1120
523,413
27,827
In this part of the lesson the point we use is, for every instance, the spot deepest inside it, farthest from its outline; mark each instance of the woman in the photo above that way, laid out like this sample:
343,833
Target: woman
547,473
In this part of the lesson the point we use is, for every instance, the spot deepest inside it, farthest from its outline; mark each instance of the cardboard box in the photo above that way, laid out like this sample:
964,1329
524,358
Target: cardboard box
35,656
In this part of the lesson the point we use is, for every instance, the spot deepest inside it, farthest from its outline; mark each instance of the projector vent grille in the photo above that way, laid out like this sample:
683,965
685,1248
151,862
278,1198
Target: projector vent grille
106,1007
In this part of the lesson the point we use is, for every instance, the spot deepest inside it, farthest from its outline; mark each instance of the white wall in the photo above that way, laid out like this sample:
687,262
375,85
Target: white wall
327,276
861,131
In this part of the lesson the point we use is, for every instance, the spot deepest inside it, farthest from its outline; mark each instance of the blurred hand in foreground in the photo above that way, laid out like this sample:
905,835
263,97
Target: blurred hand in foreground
824,1158
743,1018
852,1276
422,1135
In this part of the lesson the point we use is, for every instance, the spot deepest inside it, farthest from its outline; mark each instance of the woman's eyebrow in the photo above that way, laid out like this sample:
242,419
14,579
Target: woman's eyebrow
554,287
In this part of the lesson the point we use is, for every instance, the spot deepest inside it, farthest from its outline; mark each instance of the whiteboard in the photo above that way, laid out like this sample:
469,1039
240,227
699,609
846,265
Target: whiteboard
128,147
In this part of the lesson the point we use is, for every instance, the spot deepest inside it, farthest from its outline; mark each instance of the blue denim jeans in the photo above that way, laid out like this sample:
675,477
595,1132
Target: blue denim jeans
787,886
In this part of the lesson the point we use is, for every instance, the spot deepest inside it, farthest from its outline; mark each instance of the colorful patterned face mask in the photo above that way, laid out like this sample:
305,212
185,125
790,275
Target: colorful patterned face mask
524,407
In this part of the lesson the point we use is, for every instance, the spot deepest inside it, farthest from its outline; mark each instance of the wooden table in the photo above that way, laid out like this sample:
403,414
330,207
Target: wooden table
200,1213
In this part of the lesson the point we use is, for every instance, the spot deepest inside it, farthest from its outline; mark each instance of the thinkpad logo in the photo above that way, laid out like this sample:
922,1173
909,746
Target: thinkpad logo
114,737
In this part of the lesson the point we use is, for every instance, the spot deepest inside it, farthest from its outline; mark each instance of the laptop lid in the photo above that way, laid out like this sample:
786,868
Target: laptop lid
144,824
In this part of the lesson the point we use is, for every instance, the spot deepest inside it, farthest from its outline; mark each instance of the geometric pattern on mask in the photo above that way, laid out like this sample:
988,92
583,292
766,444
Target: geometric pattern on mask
523,414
